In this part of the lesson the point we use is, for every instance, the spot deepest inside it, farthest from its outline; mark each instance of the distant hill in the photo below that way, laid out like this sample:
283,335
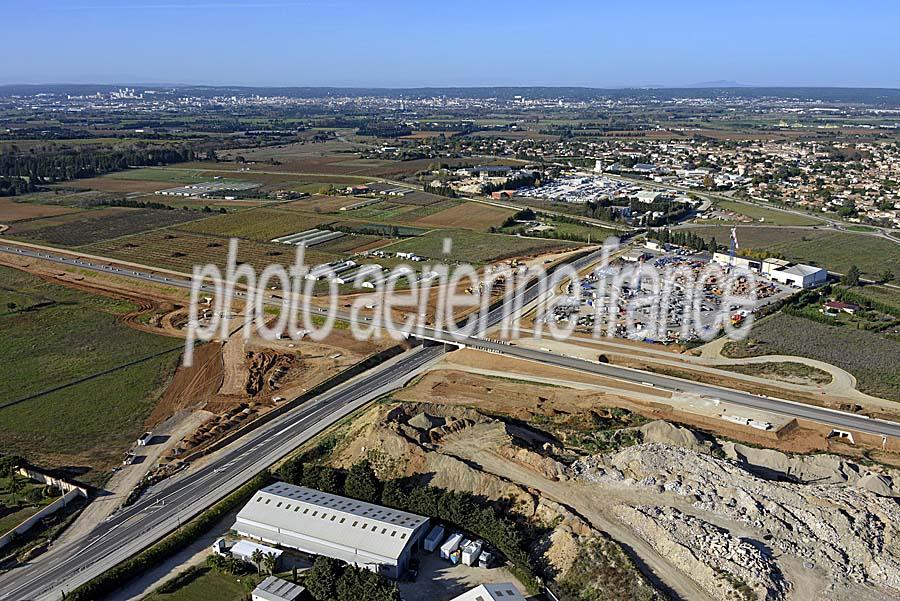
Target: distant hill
719,83
869,96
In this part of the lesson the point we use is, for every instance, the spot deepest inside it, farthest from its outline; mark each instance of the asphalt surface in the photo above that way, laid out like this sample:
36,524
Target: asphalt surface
174,501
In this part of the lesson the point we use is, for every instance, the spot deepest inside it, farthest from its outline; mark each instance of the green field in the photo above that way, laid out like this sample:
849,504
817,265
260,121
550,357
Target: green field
768,216
871,357
396,213
835,251
181,251
838,251
54,336
205,585
477,247
566,230
883,294
262,224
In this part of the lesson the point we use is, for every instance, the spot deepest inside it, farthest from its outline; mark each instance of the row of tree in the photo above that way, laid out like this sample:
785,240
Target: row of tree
683,238
73,163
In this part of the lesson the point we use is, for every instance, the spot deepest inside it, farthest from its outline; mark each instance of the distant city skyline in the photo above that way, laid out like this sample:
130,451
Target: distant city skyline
460,44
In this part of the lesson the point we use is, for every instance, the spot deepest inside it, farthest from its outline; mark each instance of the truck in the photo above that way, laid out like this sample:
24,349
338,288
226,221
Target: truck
434,538
450,545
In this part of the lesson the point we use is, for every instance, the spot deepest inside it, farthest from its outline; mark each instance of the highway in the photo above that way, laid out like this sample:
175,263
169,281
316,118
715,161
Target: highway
831,417
174,501
165,506
780,406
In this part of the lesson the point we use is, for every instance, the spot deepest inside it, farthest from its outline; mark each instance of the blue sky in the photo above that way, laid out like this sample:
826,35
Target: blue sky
463,43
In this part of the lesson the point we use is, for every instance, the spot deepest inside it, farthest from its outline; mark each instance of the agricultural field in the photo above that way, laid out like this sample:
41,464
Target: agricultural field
379,229
12,211
882,294
469,215
759,237
263,224
64,196
350,244
23,227
477,247
871,357
566,230
334,156
121,185
838,251
317,204
55,336
181,251
766,215
835,251
392,212
94,227
173,175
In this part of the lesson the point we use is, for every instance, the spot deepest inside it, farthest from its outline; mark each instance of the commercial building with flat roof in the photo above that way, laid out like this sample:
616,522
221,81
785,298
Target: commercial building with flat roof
320,523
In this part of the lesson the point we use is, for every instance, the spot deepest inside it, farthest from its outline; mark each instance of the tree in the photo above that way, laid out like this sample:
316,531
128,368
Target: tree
257,558
321,579
292,471
362,483
9,464
886,276
851,278
216,562
15,486
269,562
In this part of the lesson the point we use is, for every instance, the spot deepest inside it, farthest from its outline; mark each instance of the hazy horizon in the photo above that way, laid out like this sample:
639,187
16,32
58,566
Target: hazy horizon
405,44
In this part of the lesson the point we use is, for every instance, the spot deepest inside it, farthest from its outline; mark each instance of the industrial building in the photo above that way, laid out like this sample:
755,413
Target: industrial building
492,592
784,272
319,523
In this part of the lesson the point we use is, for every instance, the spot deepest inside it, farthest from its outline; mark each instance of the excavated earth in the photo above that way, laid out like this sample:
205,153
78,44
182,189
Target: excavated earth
713,519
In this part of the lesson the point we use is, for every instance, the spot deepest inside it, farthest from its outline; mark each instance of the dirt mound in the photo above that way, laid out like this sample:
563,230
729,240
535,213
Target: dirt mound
424,421
878,484
775,465
265,371
666,433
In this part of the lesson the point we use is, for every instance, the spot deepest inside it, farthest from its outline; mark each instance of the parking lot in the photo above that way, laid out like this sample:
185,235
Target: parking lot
440,580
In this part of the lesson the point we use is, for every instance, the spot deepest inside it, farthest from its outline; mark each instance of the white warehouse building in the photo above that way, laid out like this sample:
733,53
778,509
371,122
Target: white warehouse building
784,272
319,523
799,275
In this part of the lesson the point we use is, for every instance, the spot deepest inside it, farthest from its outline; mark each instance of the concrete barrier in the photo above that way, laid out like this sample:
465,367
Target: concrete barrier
39,476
